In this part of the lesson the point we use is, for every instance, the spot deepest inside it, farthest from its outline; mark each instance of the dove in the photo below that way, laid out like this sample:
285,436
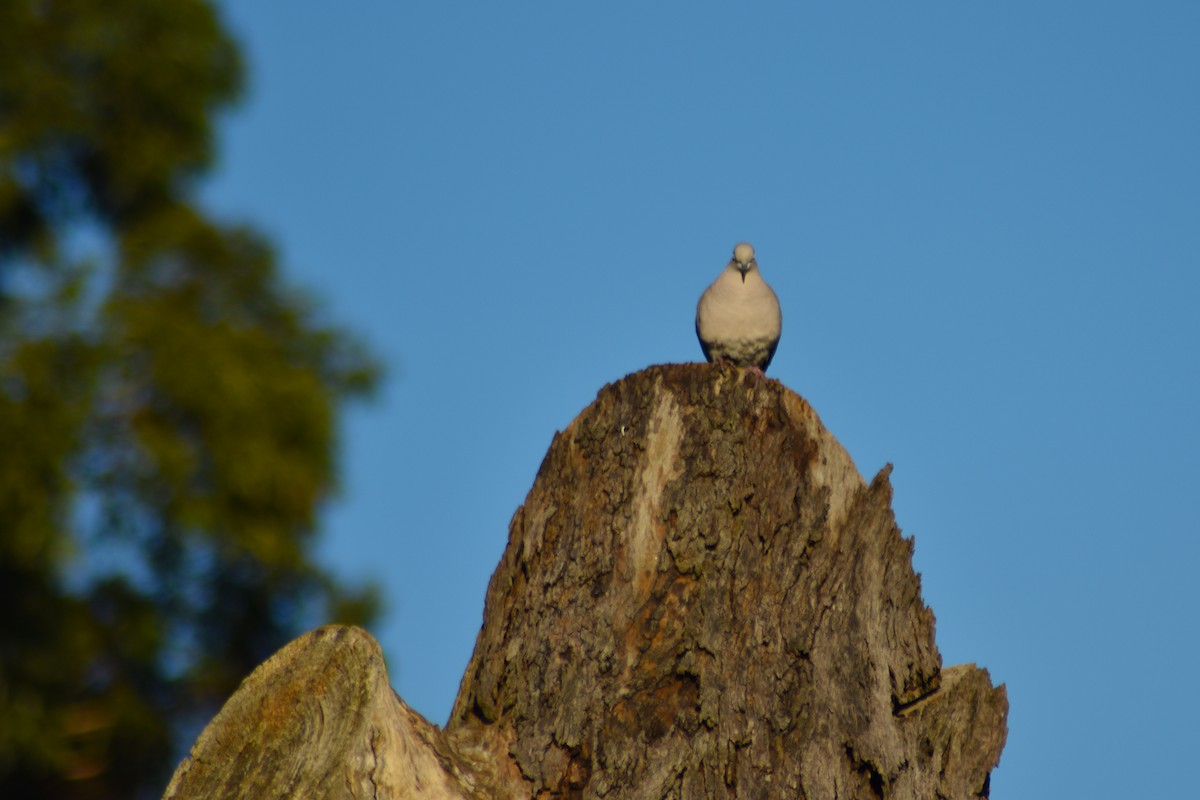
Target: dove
738,318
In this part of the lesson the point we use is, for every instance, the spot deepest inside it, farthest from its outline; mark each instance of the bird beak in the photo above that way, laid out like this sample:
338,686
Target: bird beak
743,268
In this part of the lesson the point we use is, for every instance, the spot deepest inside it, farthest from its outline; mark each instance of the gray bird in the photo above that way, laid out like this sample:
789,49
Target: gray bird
738,318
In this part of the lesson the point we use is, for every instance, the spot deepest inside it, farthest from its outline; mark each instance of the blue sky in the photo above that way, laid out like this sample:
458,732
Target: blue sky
982,222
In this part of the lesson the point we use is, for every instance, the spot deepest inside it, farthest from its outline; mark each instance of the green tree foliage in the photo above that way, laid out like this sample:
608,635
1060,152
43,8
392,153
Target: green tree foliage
168,407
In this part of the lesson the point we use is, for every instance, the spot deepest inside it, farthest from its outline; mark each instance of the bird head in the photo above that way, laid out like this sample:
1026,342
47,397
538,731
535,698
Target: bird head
743,259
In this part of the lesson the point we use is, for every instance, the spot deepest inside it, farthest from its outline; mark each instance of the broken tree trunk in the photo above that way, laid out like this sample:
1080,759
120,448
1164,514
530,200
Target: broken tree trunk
700,598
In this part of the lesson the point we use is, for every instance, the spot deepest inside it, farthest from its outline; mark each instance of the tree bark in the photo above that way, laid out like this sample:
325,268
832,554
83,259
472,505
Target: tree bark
318,719
700,598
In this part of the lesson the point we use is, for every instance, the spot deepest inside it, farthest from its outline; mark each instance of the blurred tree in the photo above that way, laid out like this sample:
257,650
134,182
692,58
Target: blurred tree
168,409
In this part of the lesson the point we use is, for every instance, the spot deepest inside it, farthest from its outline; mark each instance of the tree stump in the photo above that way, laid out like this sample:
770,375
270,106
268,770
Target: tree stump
700,598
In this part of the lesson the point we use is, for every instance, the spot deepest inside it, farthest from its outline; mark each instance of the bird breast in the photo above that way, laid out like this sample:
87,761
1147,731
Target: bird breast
734,308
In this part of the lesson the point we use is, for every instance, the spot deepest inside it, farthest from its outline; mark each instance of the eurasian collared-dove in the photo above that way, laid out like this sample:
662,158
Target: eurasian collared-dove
738,318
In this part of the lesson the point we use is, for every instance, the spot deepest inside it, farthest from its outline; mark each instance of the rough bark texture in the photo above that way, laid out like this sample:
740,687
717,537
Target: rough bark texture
700,598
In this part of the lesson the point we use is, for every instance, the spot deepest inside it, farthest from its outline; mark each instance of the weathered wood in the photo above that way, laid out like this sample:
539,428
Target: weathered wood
700,598
318,719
